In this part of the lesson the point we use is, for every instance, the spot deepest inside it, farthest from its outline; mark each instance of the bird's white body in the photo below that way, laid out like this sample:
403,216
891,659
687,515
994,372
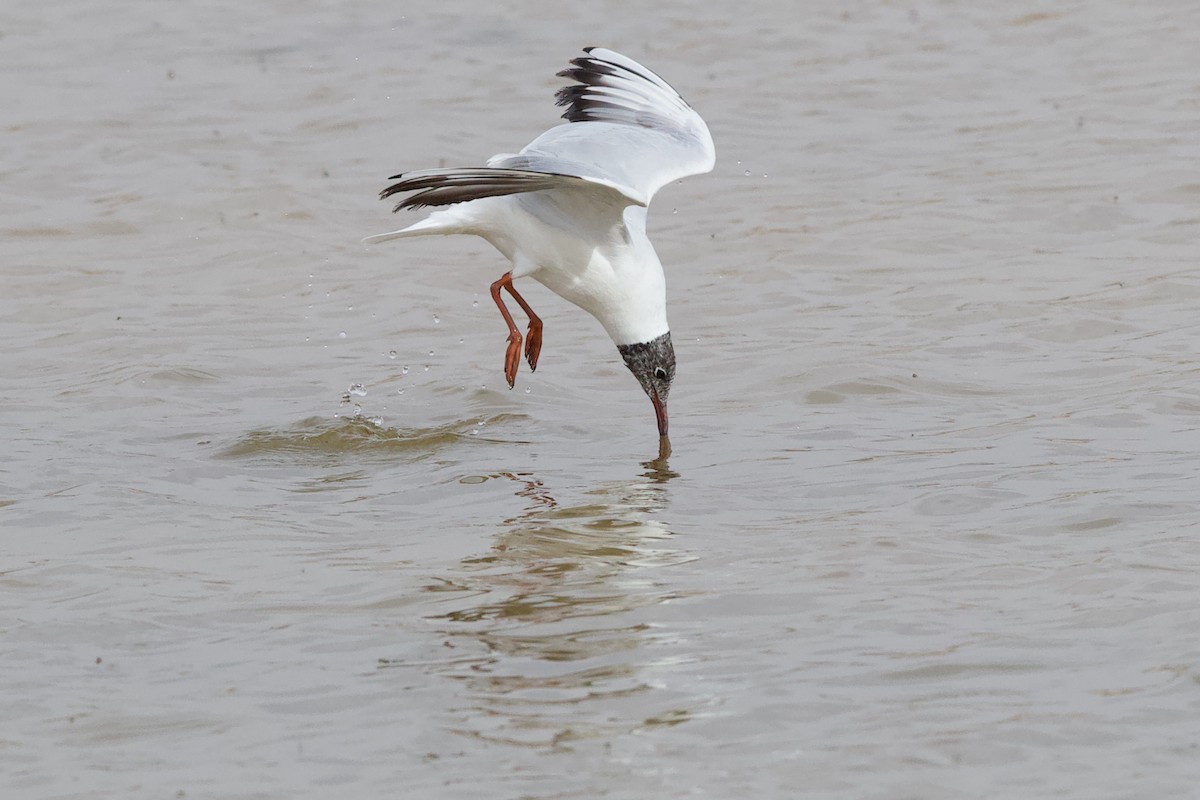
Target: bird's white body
579,244
581,229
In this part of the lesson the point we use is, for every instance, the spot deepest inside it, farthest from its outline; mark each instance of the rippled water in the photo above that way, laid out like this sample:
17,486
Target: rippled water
273,525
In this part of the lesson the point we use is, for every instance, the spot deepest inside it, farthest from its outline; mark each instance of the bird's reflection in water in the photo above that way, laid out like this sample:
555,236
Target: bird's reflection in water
658,470
554,617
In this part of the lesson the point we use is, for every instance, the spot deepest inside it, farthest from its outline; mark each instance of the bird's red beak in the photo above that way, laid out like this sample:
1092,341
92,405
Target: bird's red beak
660,412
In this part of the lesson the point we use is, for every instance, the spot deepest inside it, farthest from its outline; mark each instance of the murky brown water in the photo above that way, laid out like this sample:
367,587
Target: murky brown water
931,525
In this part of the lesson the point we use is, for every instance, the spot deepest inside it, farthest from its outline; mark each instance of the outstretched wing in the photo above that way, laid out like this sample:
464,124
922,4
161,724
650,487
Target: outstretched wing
630,132
630,129
442,187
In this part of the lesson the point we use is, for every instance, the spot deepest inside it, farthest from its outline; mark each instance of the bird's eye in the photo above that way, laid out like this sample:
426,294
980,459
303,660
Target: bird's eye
660,373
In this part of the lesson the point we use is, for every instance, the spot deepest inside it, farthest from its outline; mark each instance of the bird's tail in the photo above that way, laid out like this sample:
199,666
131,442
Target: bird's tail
441,222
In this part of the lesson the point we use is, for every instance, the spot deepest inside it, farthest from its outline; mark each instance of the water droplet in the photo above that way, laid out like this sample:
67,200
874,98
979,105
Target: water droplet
436,319
341,334
392,354
427,368
430,353
404,371
526,390
306,338
399,391
351,308
475,304
460,341
747,173
674,210
358,390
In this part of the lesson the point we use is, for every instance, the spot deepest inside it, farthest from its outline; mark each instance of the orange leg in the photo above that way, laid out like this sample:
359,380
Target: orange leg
533,344
533,337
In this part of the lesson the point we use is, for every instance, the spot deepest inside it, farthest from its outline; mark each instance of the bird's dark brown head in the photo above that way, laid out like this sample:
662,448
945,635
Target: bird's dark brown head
653,364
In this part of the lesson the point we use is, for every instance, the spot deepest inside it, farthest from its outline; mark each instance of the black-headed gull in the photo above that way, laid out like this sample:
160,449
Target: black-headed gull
569,211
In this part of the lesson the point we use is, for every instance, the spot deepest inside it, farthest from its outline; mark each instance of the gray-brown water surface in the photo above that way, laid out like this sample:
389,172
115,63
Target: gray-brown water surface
273,526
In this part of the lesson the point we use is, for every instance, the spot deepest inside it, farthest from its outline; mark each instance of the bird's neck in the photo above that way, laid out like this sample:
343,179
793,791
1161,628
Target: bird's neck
640,313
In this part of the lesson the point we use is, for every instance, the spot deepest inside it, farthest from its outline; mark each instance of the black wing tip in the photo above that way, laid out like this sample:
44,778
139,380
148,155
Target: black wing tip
587,71
579,62
569,94
391,190
469,183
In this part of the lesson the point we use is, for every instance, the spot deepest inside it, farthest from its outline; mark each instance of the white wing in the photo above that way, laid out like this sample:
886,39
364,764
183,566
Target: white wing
631,131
